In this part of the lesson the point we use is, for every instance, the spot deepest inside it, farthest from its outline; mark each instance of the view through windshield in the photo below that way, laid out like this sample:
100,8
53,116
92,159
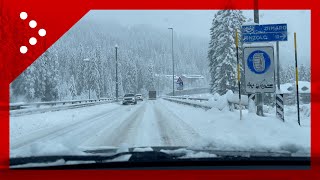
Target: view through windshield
144,79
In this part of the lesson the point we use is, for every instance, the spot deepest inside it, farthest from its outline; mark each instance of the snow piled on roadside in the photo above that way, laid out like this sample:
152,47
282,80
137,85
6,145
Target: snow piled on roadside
223,130
220,102
217,101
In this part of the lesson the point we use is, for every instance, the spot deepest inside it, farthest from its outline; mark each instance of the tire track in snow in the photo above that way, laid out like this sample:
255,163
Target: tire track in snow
126,132
59,132
120,130
173,130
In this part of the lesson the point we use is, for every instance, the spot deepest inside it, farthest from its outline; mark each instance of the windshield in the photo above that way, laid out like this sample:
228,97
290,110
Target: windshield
189,70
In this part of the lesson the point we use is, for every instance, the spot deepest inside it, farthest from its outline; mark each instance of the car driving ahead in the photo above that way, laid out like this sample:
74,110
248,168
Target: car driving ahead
129,99
139,97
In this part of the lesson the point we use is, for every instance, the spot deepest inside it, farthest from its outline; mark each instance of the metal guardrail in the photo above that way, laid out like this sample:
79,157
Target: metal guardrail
19,109
19,106
188,103
189,98
53,108
232,101
190,91
232,104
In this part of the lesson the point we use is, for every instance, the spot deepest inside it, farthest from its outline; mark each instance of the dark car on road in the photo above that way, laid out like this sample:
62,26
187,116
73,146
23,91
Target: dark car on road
129,99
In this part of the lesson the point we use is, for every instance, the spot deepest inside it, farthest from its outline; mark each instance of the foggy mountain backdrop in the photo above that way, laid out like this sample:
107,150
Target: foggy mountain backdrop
84,58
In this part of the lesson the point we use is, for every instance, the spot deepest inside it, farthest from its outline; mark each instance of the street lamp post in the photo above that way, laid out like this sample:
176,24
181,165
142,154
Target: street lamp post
116,46
172,62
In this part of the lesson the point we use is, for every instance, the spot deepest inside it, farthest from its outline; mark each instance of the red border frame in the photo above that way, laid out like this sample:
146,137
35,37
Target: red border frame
57,16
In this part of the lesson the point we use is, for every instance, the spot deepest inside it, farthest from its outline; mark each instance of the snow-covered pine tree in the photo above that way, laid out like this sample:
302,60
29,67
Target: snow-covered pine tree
304,73
130,74
150,79
52,77
140,79
109,86
41,77
289,74
30,83
72,87
97,81
308,73
282,75
222,50
121,90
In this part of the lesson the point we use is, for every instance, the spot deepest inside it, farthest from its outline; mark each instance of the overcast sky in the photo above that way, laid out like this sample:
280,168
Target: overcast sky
198,22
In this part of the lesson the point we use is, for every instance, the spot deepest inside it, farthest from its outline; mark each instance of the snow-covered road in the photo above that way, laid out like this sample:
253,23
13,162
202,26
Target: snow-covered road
150,123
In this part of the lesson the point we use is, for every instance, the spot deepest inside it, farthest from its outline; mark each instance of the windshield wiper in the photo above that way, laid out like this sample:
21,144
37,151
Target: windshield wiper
157,159
134,157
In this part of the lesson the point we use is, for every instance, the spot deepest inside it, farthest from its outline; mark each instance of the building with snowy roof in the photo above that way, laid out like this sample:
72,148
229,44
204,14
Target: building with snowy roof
289,91
190,80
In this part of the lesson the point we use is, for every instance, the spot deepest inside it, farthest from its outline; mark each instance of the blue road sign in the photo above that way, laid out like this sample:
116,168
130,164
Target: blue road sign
263,33
259,69
259,62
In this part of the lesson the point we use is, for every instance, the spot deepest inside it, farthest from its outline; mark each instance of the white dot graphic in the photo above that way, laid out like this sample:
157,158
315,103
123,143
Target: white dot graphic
23,49
42,32
33,41
23,15
33,24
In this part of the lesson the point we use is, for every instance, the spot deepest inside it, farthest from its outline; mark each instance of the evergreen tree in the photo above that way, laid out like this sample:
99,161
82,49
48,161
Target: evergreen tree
290,74
304,73
222,50
30,83
130,80
282,75
150,79
140,79
72,88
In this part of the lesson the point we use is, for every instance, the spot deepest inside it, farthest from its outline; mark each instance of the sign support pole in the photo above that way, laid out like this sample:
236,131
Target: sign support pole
258,95
278,66
238,69
297,81
279,96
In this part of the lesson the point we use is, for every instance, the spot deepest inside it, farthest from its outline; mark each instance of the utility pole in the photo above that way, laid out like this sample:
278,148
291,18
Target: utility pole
172,63
116,72
258,95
